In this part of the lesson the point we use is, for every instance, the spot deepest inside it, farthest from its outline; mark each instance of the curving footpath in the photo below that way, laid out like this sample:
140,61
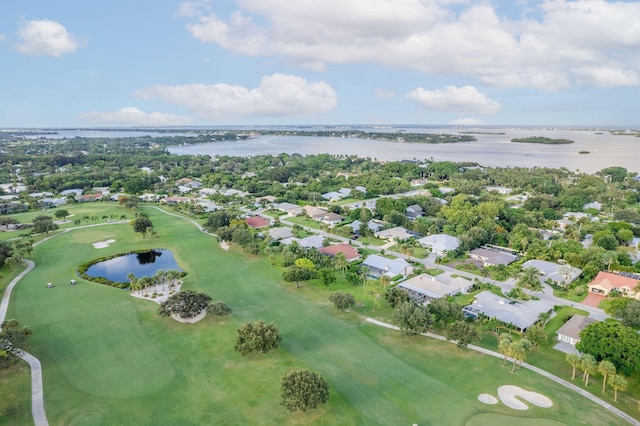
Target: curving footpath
535,369
37,400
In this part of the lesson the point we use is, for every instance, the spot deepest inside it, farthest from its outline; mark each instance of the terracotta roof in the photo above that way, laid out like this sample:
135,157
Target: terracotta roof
348,251
609,281
257,222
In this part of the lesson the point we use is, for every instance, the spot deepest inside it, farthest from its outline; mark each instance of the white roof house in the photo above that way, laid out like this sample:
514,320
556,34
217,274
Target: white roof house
522,314
398,232
379,265
564,274
426,287
440,244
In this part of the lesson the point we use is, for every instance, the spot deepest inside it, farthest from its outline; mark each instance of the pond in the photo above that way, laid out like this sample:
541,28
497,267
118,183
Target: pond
140,264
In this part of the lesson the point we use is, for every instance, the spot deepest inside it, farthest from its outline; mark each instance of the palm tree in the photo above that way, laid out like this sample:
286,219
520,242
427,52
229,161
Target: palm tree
132,280
160,277
575,360
529,278
617,382
589,367
544,317
384,280
340,262
606,368
504,346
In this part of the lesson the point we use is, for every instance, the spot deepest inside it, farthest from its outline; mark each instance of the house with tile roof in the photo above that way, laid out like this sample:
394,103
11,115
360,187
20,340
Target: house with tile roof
606,282
349,252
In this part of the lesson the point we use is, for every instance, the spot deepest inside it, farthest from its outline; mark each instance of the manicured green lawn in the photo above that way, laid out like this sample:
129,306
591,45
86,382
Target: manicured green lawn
108,358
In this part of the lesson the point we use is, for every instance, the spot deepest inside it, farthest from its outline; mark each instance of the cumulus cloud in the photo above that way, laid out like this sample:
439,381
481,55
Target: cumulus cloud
541,48
131,116
277,95
46,38
465,99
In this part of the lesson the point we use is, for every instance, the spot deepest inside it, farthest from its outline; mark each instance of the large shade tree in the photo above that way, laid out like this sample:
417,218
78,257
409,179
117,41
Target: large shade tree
257,337
303,390
612,341
184,304
141,225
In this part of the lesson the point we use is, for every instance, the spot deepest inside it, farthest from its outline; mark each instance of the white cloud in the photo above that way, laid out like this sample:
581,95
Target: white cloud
467,38
2,37
131,116
467,121
464,99
46,38
608,76
278,95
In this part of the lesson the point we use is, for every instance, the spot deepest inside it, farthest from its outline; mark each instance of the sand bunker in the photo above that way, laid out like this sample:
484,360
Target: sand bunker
509,395
103,244
485,398
224,245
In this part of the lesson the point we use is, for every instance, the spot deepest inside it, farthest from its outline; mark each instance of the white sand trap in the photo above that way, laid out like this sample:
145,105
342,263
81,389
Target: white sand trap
485,398
508,395
159,289
224,245
192,319
103,244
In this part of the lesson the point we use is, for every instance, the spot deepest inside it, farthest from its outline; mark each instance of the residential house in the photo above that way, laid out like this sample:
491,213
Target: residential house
425,287
521,314
440,244
570,330
312,241
594,205
606,282
349,252
75,192
561,274
280,233
414,211
257,222
398,233
206,192
331,218
288,208
332,196
564,223
576,216
499,189
13,207
41,194
492,257
87,198
234,193
52,202
373,225
175,200
314,212
379,265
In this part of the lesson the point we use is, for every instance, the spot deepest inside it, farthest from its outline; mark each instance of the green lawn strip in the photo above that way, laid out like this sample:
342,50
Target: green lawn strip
15,395
190,374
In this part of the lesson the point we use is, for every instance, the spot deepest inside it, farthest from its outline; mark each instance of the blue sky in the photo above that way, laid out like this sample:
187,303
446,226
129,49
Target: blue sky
75,63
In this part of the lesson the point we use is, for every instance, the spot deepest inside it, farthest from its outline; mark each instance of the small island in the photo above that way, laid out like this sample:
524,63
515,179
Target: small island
542,140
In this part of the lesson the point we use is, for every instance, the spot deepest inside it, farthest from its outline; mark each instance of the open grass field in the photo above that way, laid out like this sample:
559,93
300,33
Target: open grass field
109,358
